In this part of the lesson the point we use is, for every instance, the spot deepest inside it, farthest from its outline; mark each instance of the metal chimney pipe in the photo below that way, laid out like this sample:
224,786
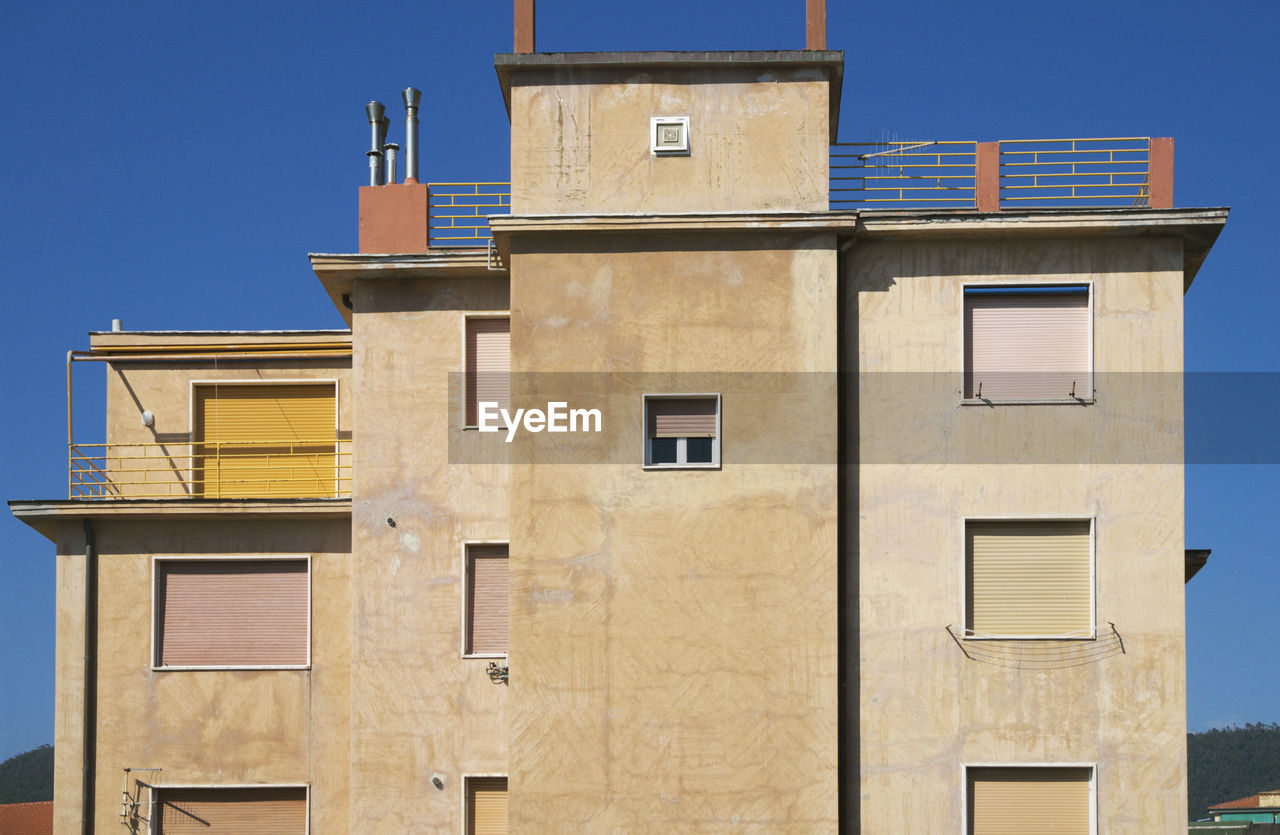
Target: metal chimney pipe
391,149
411,96
374,110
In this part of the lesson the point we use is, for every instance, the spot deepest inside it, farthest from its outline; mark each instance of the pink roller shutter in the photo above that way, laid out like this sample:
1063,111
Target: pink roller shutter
227,613
487,596
488,365
1027,346
682,417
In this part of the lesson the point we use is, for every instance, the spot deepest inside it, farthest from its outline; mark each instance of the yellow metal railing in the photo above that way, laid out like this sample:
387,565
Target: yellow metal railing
917,173
1108,171
457,211
197,469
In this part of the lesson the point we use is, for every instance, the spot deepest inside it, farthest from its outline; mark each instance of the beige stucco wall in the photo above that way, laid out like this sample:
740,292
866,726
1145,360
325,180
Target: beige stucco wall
923,708
418,707
201,727
580,140
674,632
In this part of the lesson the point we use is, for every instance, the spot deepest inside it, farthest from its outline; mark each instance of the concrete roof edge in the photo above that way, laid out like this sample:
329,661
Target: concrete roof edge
44,515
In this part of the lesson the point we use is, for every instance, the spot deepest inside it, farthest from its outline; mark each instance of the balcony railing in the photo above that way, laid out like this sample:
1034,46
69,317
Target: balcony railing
226,470
1123,171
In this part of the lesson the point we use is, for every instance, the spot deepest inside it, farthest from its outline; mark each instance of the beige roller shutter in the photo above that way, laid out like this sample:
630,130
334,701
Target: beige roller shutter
1018,801
487,595
682,417
487,806
271,440
223,613
488,365
1029,579
1030,346
245,811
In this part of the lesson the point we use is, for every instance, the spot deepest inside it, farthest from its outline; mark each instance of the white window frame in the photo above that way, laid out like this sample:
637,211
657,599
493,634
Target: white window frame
258,381
154,790
155,643
1013,286
462,400
682,443
479,775
964,787
466,599
1093,578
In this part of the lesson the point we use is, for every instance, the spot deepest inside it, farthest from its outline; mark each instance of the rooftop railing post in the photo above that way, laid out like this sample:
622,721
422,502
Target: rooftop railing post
1160,172
815,24
986,177
524,26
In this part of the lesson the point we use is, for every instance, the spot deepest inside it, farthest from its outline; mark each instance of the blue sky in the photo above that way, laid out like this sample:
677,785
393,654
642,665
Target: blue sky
171,164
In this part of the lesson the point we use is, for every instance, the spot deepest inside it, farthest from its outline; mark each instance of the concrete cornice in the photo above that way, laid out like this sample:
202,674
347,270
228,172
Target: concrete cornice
337,272
44,516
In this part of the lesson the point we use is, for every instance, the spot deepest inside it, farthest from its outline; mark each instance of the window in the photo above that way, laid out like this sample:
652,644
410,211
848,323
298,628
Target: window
487,600
274,440
247,810
486,805
232,613
488,377
682,430
1027,343
1029,579
1012,800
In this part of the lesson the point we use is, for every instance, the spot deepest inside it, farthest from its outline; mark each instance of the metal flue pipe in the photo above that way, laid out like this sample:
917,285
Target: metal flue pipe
411,96
391,149
377,131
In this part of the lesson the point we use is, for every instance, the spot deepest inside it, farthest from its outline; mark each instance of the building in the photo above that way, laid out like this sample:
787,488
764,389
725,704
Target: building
878,523
32,818
1263,807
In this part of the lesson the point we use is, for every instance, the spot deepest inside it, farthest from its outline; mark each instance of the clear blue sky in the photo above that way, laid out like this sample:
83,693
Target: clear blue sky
171,164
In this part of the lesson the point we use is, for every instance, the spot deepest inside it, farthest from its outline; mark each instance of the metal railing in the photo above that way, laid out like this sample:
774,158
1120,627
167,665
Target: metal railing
1022,173
1096,172
912,173
457,211
199,469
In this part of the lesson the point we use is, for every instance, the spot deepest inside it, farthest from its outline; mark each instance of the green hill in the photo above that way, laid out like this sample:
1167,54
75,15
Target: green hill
27,777
1228,763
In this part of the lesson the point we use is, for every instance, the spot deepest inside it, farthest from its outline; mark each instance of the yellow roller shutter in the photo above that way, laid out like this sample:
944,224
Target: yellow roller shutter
1029,579
241,811
488,365
269,440
487,806
1018,801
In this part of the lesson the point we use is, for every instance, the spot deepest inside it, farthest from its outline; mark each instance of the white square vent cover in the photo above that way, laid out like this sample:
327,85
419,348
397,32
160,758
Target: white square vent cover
669,135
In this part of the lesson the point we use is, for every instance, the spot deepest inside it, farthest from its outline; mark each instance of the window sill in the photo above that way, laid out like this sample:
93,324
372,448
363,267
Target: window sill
1060,401
681,466
231,668
1018,638
484,656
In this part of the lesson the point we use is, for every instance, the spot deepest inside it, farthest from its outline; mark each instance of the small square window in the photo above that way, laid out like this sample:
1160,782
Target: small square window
1027,343
682,430
669,135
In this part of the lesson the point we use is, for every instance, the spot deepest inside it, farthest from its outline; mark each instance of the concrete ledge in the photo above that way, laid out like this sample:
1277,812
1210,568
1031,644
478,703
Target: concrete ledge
44,516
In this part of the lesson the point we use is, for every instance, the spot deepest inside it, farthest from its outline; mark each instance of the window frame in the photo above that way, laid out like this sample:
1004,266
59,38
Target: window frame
466,317
466,600
681,443
964,786
1013,287
155,642
1093,577
155,792
469,776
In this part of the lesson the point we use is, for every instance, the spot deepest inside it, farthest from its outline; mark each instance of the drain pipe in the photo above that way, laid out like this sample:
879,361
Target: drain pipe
90,680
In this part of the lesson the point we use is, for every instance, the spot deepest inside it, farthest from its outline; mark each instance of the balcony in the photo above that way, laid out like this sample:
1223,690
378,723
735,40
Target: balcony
1108,172
267,469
